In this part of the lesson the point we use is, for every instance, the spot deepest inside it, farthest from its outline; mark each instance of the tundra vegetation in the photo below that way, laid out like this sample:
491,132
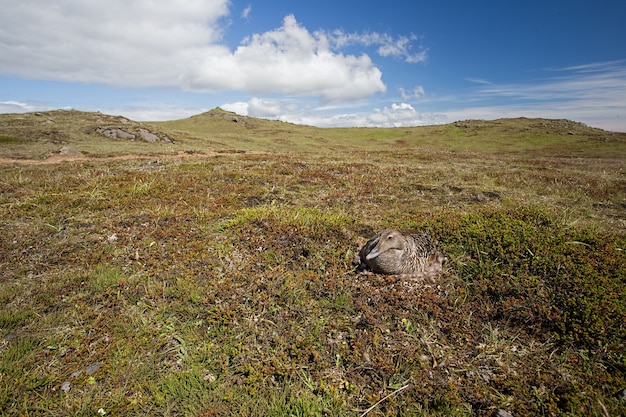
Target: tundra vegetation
211,274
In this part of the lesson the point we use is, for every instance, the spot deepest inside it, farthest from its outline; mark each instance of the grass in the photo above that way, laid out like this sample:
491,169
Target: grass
207,284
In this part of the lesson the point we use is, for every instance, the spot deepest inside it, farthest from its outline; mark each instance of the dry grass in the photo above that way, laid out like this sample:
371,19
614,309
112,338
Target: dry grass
223,285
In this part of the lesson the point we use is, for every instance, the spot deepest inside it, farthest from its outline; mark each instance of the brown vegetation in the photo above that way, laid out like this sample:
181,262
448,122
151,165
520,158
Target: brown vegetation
204,283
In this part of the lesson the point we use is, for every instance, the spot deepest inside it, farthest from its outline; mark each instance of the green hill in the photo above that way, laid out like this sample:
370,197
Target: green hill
37,135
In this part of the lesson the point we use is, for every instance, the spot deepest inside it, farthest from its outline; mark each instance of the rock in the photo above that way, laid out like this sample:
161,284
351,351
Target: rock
501,413
148,136
92,368
66,150
115,133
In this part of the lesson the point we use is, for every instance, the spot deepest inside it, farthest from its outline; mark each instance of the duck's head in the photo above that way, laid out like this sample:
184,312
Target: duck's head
390,240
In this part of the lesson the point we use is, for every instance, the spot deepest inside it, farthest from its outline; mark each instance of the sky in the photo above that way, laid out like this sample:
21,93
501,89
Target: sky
340,63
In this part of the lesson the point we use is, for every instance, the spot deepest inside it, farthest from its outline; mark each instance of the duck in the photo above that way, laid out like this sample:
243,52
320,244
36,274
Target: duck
404,252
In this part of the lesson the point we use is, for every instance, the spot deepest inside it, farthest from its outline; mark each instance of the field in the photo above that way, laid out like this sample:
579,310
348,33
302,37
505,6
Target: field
211,274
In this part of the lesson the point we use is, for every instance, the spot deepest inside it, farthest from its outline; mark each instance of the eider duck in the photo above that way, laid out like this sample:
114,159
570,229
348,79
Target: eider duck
402,252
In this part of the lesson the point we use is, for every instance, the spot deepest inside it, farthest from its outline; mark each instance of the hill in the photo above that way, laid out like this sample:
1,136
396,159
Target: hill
41,134
37,135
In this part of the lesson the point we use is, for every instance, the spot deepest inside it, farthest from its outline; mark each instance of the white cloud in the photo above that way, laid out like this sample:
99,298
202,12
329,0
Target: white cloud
154,114
388,46
416,93
12,106
115,42
288,60
265,108
136,43
245,14
239,107
398,115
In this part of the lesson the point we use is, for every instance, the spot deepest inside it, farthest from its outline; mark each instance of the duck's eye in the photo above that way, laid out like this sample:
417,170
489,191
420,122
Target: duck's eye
389,237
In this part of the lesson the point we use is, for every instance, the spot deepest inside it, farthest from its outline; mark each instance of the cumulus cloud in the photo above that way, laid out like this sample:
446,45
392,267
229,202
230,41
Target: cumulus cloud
397,115
288,60
142,113
239,107
115,42
134,43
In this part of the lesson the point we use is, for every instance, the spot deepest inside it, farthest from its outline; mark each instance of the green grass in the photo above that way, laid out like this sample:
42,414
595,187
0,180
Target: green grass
222,284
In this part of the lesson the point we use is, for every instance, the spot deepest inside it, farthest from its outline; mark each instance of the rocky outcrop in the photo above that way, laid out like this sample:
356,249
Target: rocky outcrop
115,133
151,137
119,133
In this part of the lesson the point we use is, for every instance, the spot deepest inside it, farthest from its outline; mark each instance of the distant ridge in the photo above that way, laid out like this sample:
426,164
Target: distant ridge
38,134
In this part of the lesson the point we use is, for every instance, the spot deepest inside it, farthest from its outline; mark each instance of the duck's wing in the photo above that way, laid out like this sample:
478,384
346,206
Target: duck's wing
424,244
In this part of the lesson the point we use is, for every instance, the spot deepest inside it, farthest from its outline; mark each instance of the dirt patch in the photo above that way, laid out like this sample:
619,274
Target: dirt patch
60,158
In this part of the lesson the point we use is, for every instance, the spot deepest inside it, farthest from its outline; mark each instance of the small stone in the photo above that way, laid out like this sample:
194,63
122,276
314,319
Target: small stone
501,413
92,368
66,150
65,387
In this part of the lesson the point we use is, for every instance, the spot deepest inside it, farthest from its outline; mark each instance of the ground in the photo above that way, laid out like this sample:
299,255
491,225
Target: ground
203,283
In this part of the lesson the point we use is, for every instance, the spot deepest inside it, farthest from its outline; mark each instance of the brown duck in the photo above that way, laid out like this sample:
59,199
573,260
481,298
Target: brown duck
402,252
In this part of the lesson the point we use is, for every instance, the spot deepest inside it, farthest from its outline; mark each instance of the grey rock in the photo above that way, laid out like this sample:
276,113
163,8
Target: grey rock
148,136
115,133
66,150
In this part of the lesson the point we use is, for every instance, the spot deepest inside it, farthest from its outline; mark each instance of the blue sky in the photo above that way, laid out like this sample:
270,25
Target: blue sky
324,63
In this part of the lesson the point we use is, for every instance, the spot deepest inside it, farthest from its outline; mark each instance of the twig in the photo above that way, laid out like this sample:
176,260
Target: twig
384,398
606,413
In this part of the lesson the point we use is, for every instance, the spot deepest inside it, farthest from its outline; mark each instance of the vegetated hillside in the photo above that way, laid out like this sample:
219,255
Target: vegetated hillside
541,136
41,134
37,135
203,284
